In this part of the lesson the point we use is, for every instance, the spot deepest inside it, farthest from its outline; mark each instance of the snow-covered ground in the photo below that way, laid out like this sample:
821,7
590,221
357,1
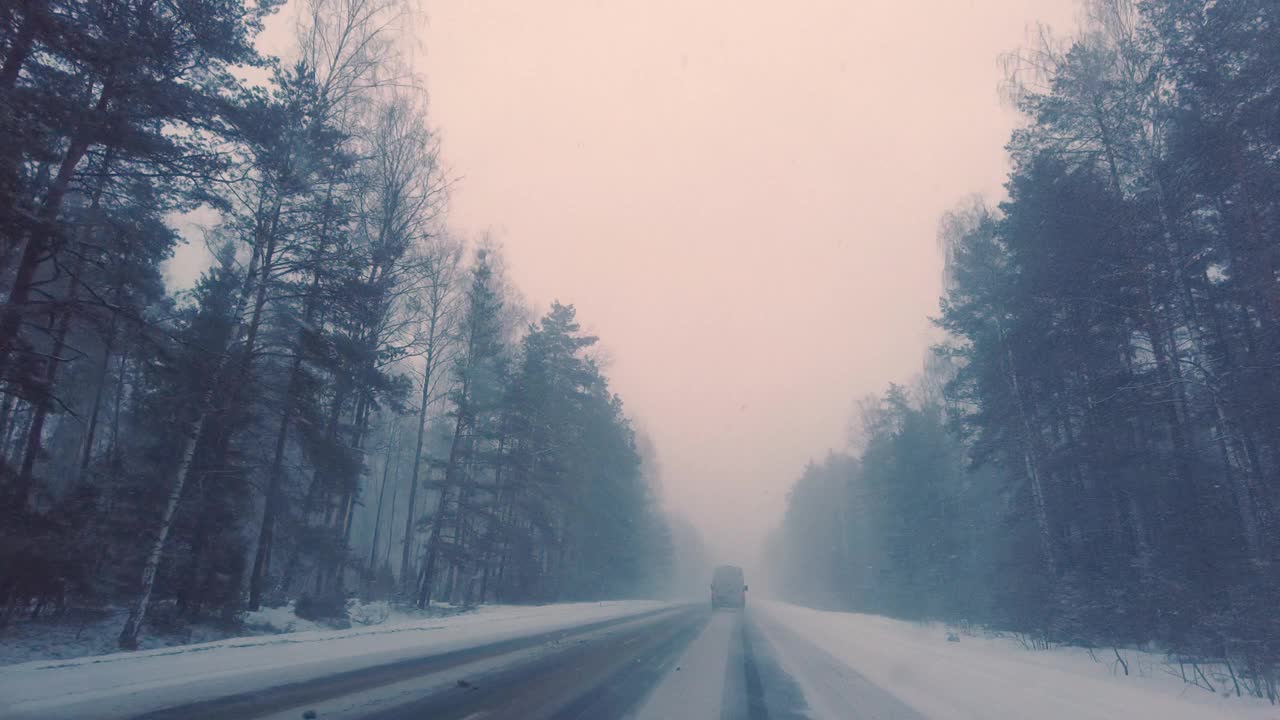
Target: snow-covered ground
112,685
91,632
987,678
94,632
274,620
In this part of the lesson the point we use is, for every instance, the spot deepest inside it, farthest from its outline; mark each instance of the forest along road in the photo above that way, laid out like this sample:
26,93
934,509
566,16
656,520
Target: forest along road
684,662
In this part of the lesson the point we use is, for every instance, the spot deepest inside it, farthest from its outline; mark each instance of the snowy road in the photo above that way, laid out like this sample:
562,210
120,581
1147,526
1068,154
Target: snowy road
654,664
597,661
686,662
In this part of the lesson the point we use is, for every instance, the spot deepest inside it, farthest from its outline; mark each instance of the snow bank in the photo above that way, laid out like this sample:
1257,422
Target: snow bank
93,632
279,620
81,632
998,679
285,619
114,685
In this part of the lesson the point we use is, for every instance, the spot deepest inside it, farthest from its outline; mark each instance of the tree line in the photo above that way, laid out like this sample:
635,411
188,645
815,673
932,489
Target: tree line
350,399
1093,454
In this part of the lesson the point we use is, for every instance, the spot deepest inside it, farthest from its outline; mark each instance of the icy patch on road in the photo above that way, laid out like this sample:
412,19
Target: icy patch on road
996,678
124,684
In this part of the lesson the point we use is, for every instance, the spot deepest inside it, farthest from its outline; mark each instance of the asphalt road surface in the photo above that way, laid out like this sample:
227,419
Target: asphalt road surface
682,662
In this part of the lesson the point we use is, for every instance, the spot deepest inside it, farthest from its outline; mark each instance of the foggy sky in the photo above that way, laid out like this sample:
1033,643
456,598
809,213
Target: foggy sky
740,197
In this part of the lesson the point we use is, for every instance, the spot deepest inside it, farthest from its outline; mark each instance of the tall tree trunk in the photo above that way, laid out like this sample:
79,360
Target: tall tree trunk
189,600
437,519
270,504
406,553
7,415
63,326
12,146
90,434
128,639
113,447
21,424
351,496
382,492
317,492
391,521
265,268
42,238
1031,461
1260,249
275,478
40,405
20,46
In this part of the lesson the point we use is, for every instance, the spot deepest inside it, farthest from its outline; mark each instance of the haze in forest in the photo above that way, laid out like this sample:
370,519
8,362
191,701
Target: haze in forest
490,306
741,198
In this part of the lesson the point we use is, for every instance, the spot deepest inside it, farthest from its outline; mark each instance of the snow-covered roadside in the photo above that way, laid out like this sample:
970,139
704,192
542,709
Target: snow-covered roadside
83,632
94,632
276,620
996,678
122,684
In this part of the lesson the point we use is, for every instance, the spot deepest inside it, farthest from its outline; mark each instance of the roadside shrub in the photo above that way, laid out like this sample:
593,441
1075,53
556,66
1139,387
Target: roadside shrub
330,606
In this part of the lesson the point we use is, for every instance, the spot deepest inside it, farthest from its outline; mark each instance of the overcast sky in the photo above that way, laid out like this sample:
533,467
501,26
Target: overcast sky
739,196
